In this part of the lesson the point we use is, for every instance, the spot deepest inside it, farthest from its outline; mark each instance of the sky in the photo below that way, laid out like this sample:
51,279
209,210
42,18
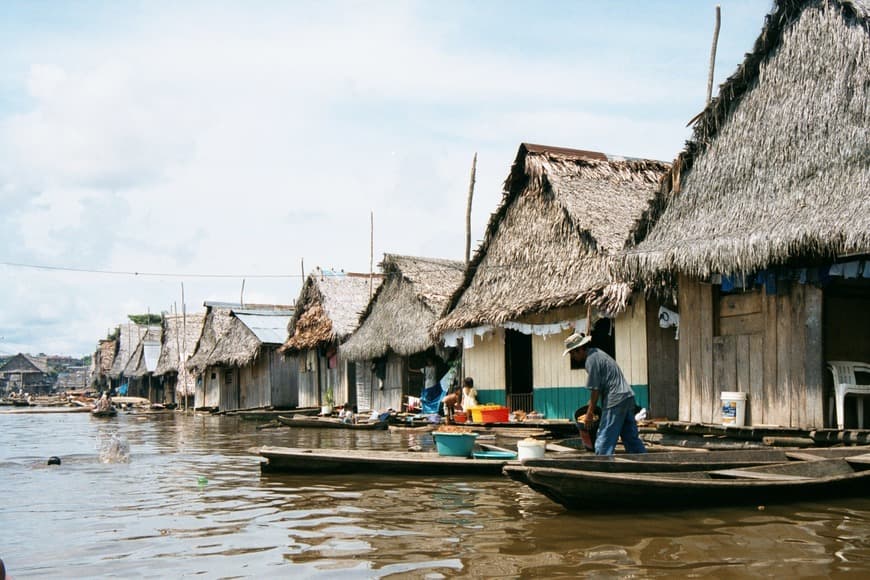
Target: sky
155,149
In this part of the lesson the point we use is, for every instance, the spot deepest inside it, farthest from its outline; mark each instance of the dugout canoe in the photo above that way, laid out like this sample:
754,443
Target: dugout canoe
329,423
298,460
690,460
812,479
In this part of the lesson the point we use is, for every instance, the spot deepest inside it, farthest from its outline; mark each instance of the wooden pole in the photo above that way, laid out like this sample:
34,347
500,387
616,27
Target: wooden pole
184,342
468,210
372,256
713,54
242,296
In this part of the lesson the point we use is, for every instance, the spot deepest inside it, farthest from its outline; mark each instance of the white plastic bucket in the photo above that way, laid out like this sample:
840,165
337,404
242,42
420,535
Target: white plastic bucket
733,408
530,449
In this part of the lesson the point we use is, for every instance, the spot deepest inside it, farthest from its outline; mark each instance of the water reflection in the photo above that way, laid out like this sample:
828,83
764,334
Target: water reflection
192,500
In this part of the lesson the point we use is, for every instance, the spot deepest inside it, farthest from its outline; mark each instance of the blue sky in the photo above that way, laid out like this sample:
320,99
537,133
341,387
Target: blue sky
239,139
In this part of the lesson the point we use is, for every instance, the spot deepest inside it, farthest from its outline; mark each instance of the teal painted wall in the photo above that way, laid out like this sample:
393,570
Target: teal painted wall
560,402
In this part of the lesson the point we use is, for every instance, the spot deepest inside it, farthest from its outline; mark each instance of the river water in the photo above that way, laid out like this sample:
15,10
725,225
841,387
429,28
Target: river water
191,501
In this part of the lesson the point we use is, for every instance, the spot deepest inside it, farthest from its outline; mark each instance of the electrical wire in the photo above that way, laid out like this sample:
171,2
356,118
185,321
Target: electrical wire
152,274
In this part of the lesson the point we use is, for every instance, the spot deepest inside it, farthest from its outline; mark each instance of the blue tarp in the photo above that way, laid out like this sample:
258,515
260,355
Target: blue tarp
122,390
431,398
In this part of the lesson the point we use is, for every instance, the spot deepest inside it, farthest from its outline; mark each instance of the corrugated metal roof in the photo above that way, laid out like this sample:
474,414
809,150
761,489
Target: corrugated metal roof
268,326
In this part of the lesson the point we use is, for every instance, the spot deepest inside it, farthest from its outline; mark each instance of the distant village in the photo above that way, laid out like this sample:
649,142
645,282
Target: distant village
738,271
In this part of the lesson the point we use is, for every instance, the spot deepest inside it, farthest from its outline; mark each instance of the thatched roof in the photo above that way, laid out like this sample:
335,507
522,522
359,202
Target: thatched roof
564,214
328,309
400,316
106,352
228,341
129,336
180,334
778,168
137,367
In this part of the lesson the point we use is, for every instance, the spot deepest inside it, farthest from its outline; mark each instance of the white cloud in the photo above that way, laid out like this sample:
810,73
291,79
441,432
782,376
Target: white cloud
216,138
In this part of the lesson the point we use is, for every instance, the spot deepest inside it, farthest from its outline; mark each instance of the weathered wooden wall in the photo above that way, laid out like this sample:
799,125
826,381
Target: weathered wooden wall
395,385
630,334
208,390
230,393
662,365
769,346
365,378
309,388
283,380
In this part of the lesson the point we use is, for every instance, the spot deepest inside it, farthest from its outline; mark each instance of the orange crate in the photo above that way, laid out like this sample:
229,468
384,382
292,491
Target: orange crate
489,414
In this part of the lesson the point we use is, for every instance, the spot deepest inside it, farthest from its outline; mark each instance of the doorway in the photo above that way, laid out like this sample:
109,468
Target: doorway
518,371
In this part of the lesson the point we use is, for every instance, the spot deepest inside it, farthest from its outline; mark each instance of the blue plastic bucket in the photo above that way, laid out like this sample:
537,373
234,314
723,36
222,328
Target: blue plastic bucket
454,444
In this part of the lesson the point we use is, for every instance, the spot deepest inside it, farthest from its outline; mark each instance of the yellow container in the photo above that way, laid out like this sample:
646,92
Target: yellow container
489,414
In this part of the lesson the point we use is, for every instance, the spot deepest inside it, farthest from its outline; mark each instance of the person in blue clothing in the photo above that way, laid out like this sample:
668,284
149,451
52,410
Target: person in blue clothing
611,392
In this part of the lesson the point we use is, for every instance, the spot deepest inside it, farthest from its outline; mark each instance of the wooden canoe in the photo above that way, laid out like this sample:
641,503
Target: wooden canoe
329,423
110,412
343,461
677,461
817,479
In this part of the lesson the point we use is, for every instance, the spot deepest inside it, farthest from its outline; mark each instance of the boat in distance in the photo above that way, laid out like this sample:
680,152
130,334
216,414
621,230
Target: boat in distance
329,423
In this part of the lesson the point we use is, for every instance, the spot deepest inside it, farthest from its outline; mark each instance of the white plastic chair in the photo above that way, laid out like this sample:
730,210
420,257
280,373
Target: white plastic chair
846,383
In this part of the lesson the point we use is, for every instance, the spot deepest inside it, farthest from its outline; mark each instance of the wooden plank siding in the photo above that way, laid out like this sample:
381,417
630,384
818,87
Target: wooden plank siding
768,346
485,363
663,367
630,334
814,356
689,323
710,403
309,389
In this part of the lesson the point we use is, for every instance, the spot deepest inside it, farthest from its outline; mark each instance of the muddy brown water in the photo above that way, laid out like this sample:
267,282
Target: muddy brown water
191,501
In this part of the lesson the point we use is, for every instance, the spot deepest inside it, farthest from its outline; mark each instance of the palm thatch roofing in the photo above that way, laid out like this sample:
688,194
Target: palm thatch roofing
106,353
129,335
778,168
228,341
180,334
400,316
564,215
26,363
328,309
137,367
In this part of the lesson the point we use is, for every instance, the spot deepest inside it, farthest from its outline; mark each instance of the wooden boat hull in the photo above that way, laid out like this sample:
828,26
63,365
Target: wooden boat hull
329,423
778,483
682,461
342,461
104,413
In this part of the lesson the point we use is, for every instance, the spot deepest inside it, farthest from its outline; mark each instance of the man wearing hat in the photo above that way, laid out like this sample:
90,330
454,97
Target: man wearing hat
607,383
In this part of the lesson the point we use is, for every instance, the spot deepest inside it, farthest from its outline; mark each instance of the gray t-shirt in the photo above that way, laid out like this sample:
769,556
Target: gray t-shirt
606,377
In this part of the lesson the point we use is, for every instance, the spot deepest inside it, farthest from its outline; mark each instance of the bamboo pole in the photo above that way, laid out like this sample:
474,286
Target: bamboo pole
713,54
468,210
242,295
372,256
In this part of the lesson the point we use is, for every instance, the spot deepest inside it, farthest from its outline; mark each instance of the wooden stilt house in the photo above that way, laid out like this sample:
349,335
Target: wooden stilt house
765,221
104,356
26,373
140,368
327,312
394,334
180,335
543,271
237,361
129,336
